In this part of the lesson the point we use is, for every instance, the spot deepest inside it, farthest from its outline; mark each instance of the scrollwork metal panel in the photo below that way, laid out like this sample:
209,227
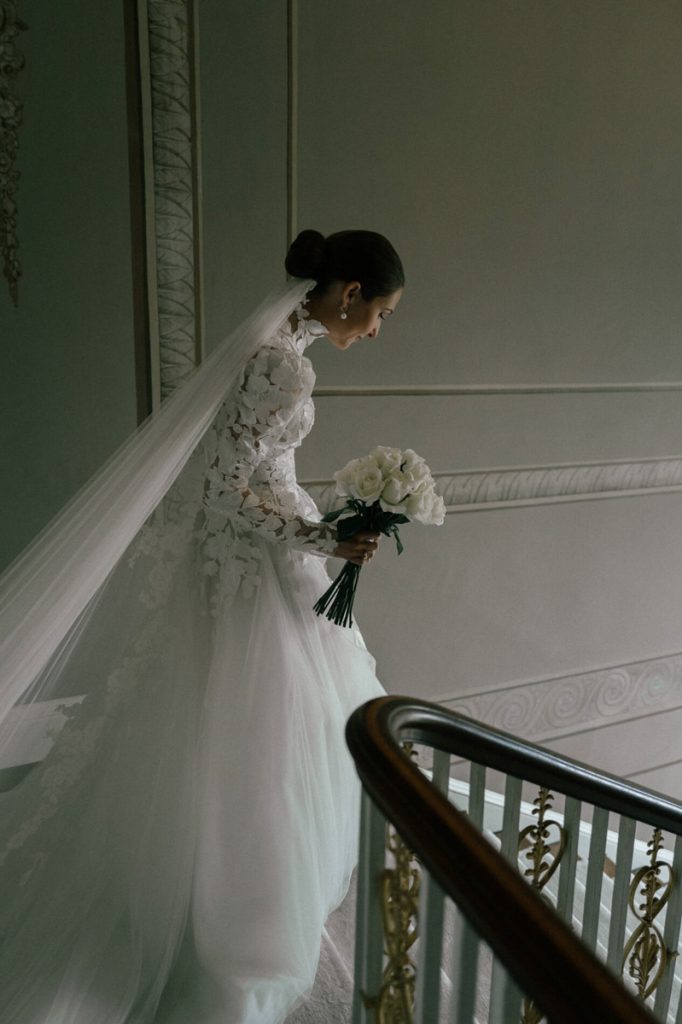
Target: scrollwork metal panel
645,956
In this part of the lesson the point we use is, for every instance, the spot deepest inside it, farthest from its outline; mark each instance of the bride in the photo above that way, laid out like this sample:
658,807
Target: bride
174,856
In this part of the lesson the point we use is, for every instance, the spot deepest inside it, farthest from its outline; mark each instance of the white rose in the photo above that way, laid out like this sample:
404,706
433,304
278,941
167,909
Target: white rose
344,478
361,479
416,473
426,507
412,460
393,495
387,459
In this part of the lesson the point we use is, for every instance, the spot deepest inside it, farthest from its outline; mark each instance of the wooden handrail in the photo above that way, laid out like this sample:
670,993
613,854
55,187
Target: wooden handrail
422,722
549,963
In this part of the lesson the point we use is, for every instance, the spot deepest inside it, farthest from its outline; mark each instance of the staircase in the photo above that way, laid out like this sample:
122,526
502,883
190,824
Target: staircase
534,889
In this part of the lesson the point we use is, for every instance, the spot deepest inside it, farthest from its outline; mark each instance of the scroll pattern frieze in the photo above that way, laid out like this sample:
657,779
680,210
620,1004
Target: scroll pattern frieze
173,138
553,707
11,112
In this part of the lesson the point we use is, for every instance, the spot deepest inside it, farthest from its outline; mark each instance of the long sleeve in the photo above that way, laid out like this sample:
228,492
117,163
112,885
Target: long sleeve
247,452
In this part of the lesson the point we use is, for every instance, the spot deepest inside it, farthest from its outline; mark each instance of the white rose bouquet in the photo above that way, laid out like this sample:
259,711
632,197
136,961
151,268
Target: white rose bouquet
384,489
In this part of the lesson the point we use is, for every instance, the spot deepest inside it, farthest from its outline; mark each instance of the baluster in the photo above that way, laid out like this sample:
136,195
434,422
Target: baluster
476,807
595,876
621,886
678,1018
505,998
466,942
369,937
509,840
569,863
671,936
431,913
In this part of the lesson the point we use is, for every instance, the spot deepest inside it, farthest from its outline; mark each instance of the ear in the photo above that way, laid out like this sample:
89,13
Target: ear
352,290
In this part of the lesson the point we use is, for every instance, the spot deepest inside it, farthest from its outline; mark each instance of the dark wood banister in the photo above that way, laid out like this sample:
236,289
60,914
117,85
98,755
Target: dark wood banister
547,960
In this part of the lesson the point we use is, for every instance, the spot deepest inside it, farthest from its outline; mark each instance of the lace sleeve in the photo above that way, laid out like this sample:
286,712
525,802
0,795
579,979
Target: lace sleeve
247,430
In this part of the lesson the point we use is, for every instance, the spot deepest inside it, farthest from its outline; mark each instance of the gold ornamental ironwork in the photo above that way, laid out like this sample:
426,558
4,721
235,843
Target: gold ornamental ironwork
645,956
399,887
543,859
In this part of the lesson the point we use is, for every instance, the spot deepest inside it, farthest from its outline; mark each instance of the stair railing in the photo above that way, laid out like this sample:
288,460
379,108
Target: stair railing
448,929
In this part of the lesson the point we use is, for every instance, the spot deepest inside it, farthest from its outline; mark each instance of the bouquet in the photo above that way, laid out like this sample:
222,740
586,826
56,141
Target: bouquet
384,489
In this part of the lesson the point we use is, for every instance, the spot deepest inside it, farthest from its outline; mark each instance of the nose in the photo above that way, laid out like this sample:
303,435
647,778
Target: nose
373,333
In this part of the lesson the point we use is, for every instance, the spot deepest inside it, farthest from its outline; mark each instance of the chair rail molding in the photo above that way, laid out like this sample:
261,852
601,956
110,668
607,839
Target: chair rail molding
476,490
480,390
11,114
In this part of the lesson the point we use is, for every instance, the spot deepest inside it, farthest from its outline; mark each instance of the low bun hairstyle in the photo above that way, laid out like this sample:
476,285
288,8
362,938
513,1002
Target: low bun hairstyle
363,256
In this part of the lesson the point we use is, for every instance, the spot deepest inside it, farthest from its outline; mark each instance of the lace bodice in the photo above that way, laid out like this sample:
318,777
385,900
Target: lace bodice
244,476
250,489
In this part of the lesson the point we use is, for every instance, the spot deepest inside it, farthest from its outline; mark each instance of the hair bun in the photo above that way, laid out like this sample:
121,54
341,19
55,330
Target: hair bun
306,255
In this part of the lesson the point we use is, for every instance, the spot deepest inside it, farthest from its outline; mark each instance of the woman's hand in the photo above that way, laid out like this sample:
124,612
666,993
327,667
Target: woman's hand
360,548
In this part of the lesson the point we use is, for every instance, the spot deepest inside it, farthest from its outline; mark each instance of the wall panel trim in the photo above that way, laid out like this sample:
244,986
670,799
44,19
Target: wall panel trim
514,486
476,490
167,44
474,390
292,120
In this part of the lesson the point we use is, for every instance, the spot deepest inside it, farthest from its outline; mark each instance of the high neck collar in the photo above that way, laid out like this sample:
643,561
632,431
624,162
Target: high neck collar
307,330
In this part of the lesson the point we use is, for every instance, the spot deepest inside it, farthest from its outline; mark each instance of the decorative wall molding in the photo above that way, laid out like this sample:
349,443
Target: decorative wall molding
478,390
550,708
175,174
514,486
11,113
292,120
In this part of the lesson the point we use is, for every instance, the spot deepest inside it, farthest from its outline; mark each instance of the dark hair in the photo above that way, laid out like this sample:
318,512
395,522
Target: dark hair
362,256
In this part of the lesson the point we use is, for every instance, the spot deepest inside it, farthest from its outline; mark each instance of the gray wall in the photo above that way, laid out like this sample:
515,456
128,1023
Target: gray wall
243,69
67,393
526,159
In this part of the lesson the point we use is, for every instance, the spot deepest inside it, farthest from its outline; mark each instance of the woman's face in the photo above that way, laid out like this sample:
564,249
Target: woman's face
363,319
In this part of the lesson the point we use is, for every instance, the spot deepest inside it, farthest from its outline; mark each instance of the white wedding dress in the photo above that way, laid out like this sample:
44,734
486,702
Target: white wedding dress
174,857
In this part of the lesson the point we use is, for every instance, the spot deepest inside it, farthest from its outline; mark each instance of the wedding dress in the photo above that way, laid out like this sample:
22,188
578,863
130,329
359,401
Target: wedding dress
175,855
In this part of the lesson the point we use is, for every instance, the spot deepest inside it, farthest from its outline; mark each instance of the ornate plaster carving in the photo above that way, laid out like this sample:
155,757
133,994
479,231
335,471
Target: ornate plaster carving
173,141
11,110
528,485
550,708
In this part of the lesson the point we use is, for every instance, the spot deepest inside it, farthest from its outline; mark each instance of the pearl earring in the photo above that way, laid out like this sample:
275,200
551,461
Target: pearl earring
343,314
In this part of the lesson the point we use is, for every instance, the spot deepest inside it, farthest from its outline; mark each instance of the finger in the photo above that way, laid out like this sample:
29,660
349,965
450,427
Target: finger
364,551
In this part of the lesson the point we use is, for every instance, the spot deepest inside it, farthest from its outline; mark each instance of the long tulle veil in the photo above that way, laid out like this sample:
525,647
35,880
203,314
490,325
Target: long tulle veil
179,814
46,594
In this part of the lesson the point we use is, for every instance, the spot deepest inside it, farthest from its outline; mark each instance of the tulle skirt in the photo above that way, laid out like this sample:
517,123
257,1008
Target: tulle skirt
174,857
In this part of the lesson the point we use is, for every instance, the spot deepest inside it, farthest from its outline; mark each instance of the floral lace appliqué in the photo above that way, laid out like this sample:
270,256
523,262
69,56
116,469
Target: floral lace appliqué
251,492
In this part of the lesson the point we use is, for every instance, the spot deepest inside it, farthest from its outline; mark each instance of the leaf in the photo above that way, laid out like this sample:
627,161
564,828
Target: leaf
351,525
330,517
